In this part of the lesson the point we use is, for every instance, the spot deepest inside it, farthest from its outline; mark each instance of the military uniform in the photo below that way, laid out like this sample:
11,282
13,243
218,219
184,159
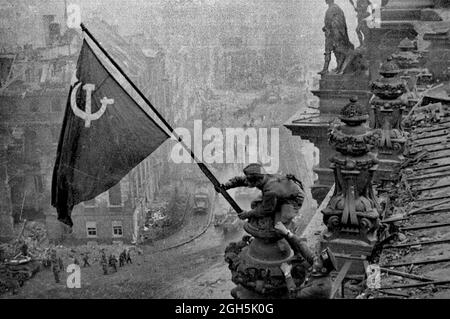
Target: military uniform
281,197
104,264
128,260
318,285
122,258
315,288
113,262
86,261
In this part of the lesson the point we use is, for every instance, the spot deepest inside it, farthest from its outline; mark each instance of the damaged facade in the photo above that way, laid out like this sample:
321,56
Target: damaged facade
35,74
35,78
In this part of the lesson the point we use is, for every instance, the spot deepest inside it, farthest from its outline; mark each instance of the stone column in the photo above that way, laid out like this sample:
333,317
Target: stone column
388,106
352,216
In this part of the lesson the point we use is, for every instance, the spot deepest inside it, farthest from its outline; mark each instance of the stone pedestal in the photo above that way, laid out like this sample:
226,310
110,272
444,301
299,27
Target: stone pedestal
255,265
314,128
334,92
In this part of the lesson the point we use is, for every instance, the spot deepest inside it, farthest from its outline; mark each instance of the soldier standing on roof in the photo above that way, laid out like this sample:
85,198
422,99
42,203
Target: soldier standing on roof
282,196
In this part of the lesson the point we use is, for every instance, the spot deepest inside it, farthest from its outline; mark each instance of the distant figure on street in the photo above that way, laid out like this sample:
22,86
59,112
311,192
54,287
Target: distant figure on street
55,266
113,262
24,249
129,257
60,262
86,260
122,258
104,263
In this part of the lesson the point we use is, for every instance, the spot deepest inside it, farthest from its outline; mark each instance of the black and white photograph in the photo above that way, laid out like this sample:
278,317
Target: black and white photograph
248,151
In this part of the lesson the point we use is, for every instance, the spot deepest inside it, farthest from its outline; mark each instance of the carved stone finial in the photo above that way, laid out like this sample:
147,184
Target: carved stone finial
352,211
407,45
390,86
389,69
388,107
353,113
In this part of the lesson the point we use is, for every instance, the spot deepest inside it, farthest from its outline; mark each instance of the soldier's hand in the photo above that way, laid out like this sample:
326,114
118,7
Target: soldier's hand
218,188
281,229
286,269
244,215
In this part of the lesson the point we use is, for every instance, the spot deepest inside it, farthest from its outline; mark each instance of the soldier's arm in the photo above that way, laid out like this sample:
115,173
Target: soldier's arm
300,248
292,288
240,181
268,206
301,198
290,283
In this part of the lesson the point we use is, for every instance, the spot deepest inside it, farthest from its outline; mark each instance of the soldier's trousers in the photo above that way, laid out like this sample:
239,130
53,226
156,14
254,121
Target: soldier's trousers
286,214
56,275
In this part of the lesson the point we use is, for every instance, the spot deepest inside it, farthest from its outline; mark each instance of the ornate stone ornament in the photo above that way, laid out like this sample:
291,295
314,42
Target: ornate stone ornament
352,211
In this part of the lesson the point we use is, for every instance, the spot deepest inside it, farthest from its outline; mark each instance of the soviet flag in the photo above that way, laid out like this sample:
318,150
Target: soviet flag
105,134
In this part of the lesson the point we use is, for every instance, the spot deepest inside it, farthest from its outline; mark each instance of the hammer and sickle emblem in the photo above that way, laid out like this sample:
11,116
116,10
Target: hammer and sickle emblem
86,115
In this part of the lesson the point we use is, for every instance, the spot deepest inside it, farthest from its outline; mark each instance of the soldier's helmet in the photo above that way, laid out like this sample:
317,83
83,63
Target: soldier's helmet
328,260
254,169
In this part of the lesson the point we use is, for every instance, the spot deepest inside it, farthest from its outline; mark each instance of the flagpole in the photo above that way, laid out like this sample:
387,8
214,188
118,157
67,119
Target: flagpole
201,165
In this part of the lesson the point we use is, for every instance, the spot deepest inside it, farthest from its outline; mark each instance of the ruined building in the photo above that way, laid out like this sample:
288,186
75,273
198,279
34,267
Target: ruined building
35,79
